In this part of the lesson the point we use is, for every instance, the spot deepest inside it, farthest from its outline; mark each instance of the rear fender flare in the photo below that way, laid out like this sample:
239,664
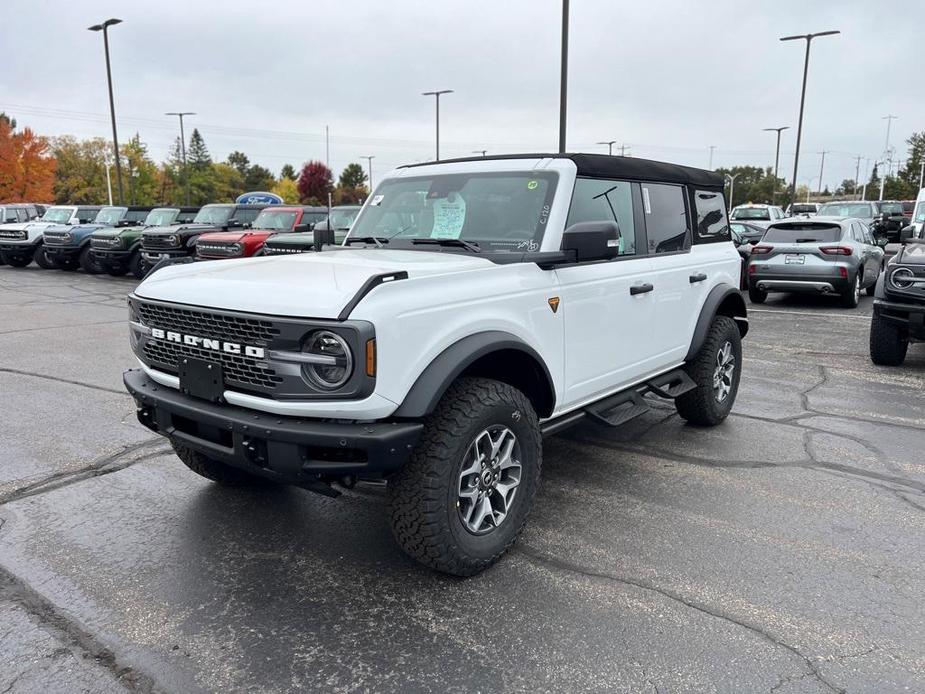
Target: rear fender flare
723,299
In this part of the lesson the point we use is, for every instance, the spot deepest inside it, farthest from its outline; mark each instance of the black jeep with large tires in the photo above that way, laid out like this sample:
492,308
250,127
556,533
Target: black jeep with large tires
899,305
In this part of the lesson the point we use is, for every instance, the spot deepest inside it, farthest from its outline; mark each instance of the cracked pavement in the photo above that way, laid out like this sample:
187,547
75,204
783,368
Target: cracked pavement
781,551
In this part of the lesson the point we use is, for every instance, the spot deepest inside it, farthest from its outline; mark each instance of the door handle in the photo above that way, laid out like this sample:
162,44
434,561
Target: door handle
697,277
641,289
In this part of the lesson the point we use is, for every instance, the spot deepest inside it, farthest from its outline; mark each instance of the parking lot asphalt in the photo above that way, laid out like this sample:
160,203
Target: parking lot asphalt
781,551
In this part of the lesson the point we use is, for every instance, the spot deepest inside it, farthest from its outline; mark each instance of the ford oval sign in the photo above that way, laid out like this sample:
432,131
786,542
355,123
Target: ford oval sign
259,198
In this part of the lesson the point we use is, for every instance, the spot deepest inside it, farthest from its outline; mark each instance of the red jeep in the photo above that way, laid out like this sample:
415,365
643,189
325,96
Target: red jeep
276,219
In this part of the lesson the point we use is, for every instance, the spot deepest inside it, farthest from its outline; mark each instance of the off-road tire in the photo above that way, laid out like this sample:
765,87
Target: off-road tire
211,469
700,406
17,260
850,297
888,343
137,266
756,296
423,495
42,260
89,263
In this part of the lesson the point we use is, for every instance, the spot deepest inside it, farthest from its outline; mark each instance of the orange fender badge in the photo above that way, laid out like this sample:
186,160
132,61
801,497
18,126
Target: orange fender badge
554,303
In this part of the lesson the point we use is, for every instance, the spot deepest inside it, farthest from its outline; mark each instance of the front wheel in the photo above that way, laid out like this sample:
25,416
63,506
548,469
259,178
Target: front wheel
756,296
17,260
888,343
42,260
716,370
137,266
464,496
89,263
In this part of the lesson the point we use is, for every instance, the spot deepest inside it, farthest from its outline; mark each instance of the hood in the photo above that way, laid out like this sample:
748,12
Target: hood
308,285
182,229
15,226
232,236
913,253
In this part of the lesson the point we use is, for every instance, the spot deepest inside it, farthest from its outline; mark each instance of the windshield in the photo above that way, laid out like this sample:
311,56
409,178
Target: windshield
343,219
892,208
803,233
161,217
802,209
919,213
499,212
58,215
275,220
214,214
110,216
846,209
751,213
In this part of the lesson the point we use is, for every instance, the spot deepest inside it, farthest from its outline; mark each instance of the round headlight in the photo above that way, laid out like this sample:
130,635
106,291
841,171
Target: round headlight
172,239
329,362
66,237
236,249
902,278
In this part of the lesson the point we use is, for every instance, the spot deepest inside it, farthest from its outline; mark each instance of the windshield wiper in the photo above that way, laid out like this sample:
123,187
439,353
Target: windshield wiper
378,240
459,243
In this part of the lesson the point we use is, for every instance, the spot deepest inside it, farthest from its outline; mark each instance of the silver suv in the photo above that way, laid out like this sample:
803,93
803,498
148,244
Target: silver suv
820,255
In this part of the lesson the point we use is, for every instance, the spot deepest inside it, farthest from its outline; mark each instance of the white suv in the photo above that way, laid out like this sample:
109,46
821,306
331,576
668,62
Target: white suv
476,306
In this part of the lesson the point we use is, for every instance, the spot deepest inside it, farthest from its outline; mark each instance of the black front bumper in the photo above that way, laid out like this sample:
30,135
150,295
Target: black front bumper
910,316
112,256
19,249
63,252
153,256
287,449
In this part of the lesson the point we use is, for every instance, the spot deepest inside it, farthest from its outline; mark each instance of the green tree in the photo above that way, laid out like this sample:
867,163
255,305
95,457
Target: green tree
140,173
227,183
81,172
287,172
287,189
752,184
846,187
201,171
258,178
352,176
239,161
197,154
912,171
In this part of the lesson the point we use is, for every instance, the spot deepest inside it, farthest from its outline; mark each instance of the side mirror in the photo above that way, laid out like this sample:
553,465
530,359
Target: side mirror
881,241
905,234
592,240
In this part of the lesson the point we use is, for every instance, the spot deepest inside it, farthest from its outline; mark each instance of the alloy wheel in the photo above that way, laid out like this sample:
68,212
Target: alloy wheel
724,371
489,479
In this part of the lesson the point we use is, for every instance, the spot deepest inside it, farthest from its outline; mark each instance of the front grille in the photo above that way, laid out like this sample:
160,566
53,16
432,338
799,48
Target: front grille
284,250
112,242
157,241
19,235
56,238
219,250
239,369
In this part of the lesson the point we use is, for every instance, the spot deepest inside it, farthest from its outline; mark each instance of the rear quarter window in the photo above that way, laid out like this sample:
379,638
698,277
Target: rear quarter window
712,224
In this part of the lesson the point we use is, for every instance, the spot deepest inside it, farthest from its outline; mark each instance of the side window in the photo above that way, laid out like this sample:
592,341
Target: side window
667,230
865,234
601,200
246,216
23,214
711,215
85,216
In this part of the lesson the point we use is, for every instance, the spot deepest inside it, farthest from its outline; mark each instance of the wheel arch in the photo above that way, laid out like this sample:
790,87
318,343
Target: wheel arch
491,354
723,300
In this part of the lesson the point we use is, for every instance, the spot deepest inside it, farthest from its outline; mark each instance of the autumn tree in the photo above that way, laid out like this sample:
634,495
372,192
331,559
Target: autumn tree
287,189
227,183
81,170
315,182
27,167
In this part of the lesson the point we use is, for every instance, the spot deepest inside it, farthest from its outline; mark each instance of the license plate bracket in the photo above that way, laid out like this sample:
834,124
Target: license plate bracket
201,379
794,259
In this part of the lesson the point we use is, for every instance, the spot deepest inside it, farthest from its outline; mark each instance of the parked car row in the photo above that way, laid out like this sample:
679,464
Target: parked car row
133,239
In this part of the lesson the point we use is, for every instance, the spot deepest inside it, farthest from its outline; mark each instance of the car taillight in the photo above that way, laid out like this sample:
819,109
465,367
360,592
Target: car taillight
752,269
836,250
843,271
761,250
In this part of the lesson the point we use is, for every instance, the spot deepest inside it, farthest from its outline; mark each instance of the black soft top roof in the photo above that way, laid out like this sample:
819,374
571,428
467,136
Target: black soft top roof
606,166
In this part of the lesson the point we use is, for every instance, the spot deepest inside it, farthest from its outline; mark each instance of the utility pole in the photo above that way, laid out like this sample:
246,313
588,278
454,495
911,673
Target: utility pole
183,145
821,168
796,157
563,77
610,144
623,149
921,173
857,172
712,147
866,178
104,27
437,94
732,183
889,119
327,147
776,156
369,159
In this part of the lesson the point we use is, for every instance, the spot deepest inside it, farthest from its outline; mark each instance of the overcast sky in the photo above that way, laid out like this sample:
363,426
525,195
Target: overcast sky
667,78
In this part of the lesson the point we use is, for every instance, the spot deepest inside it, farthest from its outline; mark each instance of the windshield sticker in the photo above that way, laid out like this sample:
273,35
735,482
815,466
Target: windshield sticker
449,217
531,185
645,200
376,201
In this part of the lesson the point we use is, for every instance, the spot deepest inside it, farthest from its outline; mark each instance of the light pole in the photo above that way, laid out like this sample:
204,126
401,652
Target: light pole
623,149
104,27
712,147
437,94
889,119
821,168
921,174
610,144
796,156
776,151
180,115
732,183
563,77
857,173
483,152
369,159
809,186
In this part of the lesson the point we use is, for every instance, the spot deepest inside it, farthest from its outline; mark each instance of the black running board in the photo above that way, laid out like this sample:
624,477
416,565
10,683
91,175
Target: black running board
616,410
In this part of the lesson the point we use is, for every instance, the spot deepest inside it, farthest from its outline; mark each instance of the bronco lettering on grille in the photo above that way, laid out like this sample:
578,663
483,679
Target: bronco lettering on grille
207,343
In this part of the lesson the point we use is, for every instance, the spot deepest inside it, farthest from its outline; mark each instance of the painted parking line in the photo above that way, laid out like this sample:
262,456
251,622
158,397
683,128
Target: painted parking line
808,313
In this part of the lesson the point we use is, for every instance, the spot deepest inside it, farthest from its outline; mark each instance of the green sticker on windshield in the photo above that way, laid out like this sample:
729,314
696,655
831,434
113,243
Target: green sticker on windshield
531,185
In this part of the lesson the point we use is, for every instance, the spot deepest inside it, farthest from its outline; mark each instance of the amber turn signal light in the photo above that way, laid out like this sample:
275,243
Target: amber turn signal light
370,357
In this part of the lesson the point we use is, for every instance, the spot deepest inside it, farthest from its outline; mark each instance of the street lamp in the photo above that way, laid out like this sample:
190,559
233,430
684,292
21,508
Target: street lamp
180,114
104,27
610,144
809,185
796,157
369,160
732,183
437,94
776,153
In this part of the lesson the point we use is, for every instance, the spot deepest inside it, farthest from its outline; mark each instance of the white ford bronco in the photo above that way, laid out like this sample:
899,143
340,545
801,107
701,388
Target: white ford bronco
476,306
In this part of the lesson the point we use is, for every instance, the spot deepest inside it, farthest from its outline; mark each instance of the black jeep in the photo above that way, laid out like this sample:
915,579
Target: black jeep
899,304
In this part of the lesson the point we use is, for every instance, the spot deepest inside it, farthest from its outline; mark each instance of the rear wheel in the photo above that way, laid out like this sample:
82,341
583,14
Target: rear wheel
756,296
852,295
716,370
16,260
214,470
888,342
42,260
89,263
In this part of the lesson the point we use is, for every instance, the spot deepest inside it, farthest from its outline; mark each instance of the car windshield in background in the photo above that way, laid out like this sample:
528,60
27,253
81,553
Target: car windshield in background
802,209
161,217
499,212
343,219
803,233
919,213
110,216
759,213
214,214
58,215
907,206
275,220
846,209
892,208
